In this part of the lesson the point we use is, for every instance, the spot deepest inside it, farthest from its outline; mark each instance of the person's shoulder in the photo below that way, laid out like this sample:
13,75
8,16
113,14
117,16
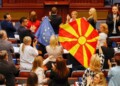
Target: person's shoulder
39,69
3,21
103,35
59,17
48,46
114,68
7,42
20,28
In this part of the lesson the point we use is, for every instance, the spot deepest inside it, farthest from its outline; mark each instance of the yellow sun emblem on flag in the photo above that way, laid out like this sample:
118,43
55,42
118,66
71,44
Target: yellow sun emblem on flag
80,39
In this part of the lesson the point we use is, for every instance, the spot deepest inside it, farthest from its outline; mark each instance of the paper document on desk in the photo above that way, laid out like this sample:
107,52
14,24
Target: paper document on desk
16,49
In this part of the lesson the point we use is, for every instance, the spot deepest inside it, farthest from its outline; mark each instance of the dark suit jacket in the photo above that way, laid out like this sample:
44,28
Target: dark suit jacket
8,27
22,31
9,71
6,45
108,54
92,22
55,22
55,80
110,24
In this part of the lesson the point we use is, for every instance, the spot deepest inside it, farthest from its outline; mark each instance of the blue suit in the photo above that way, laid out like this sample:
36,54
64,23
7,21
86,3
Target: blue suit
8,27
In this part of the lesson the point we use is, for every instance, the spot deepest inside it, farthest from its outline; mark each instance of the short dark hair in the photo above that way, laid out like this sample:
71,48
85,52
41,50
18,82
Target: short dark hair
2,79
5,15
32,79
117,59
54,10
22,19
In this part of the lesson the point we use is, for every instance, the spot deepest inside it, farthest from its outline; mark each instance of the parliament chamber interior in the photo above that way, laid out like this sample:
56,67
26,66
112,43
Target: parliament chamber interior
78,59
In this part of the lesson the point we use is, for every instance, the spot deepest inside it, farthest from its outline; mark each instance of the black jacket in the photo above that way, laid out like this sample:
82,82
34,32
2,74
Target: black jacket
110,24
9,71
55,21
55,80
92,22
22,31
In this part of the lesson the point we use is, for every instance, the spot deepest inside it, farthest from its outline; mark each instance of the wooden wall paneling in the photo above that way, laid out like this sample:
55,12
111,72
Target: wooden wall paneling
62,6
18,13
62,11
22,4
86,3
5,1
83,12
42,7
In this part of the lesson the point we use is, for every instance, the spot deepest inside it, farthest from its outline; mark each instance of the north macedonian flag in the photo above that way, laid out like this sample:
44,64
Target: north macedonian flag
80,39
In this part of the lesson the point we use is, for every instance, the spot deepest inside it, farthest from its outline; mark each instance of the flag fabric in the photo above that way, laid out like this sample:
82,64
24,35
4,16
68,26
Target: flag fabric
44,32
80,39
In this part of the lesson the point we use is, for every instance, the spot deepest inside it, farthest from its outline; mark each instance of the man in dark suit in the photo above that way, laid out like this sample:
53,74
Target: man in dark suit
23,31
6,45
113,22
7,69
8,26
55,20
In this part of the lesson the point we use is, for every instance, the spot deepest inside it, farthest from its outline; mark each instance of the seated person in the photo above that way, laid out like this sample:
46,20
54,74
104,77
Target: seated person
98,80
27,53
59,73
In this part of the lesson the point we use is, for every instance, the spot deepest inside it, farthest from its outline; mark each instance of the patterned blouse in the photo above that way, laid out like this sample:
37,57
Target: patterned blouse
89,72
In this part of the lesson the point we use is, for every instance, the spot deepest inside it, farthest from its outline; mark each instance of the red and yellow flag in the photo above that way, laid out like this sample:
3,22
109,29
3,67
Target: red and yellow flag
80,39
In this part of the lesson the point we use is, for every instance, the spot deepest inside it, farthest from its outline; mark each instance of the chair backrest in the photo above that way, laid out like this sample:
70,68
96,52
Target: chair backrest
105,72
24,73
48,73
77,73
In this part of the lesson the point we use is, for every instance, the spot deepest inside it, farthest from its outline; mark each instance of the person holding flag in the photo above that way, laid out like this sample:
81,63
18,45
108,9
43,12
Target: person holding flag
43,34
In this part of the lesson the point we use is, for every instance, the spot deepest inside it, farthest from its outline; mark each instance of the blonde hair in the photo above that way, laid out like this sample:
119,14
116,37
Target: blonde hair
3,34
94,14
95,64
38,62
26,41
105,27
53,41
102,79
